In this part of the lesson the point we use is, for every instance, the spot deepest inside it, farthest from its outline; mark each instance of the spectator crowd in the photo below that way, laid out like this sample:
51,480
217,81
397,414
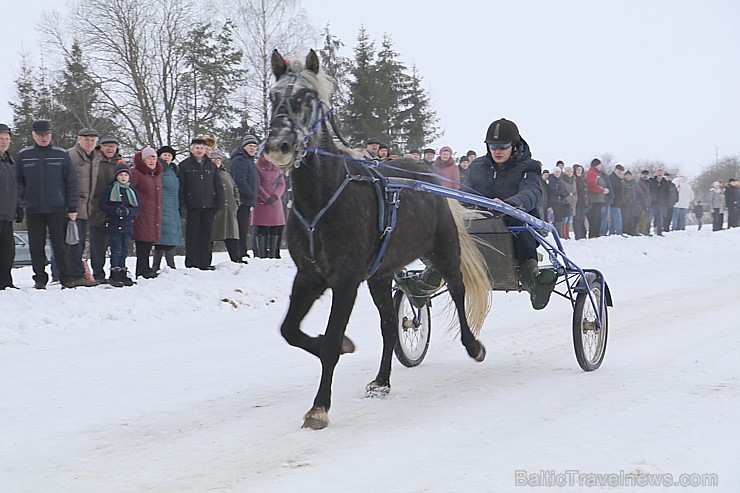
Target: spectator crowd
89,199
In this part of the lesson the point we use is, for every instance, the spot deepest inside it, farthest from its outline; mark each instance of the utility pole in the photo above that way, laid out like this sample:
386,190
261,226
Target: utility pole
716,155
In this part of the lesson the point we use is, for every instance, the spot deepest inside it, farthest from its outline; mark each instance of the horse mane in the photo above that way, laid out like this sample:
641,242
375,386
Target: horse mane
322,82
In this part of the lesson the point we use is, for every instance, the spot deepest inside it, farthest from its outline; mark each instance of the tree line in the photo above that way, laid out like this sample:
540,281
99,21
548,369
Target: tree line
159,72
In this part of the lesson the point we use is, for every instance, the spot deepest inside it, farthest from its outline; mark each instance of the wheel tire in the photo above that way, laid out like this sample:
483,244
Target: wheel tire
413,340
589,340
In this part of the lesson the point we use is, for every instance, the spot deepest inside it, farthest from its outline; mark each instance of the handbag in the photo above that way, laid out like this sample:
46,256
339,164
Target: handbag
73,234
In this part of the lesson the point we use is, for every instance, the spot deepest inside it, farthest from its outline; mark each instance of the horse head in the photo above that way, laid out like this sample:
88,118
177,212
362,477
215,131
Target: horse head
299,100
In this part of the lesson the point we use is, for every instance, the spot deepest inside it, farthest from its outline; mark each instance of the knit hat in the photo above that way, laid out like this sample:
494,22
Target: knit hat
121,167
249,139
595,162
415,150
148,152
446,148
545,171
619,167
471,153
464,159
383,146
430,150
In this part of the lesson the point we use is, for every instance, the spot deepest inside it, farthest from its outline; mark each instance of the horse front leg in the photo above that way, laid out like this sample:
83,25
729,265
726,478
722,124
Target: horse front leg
380,289
306,290
343,300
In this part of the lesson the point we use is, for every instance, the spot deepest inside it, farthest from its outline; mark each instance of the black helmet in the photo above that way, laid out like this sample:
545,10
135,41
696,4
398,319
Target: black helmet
502,131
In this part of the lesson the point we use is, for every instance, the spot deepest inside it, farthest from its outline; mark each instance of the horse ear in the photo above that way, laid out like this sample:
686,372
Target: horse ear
278,64
312,62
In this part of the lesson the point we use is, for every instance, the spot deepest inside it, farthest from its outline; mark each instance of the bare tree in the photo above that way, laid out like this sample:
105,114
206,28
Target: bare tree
135,51
262,26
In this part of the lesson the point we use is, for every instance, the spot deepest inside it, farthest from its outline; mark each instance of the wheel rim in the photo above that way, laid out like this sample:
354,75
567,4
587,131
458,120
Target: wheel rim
592,335
412,335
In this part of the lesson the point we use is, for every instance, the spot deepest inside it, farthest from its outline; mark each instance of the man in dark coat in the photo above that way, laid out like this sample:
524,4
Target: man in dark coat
244,172
508,173
10,209
732,201
201,195
47,185
660,198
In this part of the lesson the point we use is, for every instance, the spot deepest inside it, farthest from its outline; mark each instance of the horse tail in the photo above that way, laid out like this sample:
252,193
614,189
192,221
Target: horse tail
474,270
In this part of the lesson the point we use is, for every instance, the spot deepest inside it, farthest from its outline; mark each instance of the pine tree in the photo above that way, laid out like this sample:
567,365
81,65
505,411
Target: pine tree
418,117
24,106
362,116
391,86
213,76
338,68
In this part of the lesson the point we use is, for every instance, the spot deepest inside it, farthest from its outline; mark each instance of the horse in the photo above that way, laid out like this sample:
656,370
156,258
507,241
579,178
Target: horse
333,235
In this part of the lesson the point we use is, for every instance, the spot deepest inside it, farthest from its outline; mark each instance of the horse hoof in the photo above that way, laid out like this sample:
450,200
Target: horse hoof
316,419
347,346
375,390
481,353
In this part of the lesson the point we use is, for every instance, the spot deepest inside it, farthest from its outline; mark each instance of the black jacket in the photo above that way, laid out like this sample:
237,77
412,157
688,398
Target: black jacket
47,180
244,172
660,192
516,182
8,188
200,188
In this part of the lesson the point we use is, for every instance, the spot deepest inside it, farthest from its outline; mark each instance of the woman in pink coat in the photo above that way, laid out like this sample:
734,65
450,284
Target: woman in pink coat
446,167
268,217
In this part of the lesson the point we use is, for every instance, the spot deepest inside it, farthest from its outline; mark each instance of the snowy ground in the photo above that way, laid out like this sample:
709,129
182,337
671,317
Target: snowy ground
183,384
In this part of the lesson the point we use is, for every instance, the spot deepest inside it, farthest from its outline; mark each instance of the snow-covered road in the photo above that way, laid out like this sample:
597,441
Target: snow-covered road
183,384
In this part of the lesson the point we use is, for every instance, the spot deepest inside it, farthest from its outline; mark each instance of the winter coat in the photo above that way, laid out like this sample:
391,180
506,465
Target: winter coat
200,187
271,181
732,197
225,225
698,211
171,226
516,181
571,192
244,173
685,193
596,184
105,177
115,222
634,199
615,191
582,191
47,181
715,198
555,192
148,184
8,189
448,170
645,186
87,167
660,192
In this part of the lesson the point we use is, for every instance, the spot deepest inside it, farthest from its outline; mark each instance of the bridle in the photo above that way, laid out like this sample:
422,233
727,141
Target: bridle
301,133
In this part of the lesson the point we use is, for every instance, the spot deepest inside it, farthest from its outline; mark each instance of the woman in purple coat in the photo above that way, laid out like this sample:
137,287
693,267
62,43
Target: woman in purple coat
268,217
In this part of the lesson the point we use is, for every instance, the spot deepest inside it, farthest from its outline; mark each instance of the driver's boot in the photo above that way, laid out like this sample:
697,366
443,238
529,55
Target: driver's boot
539,284
419,287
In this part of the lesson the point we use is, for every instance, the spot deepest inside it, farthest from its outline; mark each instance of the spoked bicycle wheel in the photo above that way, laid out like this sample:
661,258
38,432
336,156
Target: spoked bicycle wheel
414,330
590,336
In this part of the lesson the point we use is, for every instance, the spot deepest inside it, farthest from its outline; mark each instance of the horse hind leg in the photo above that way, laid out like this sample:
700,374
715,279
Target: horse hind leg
343,300
380,289
450,270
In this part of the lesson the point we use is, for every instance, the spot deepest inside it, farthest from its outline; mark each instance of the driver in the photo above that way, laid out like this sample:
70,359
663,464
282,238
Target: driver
508,173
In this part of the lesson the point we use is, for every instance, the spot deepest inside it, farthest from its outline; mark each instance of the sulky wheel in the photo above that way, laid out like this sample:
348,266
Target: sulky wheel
589,337
414,330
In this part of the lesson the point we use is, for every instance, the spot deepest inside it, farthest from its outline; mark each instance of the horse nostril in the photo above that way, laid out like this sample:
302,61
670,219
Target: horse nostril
284,148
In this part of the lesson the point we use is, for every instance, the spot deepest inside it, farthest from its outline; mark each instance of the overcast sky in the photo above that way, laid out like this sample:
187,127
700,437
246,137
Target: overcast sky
640,79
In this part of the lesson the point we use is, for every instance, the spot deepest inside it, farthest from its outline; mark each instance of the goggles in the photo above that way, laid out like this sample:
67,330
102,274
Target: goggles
499,147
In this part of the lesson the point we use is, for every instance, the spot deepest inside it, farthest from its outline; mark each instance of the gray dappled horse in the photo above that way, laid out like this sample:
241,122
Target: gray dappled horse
332,233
